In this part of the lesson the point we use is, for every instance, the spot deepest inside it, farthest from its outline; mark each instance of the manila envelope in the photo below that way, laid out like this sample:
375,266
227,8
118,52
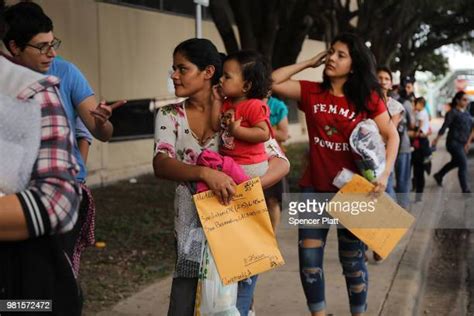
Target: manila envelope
240,234
382,229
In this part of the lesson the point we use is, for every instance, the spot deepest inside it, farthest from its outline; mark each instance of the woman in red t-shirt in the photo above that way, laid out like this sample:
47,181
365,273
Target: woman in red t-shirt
348,94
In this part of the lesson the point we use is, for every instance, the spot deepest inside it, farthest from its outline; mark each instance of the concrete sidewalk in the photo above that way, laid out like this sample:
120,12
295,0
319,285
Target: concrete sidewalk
395,286
279,292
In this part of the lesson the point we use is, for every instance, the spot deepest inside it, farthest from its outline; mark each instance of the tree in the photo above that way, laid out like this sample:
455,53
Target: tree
452,22
275,28
402,33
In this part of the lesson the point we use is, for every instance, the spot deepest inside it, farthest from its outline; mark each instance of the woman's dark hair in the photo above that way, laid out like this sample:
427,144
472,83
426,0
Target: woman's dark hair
25,20
386,70
362,80
420,100
202,53
256,70
457,97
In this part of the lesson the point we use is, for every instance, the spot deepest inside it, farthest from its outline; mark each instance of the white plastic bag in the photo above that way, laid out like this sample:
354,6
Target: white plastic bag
212,297
366,141
342,177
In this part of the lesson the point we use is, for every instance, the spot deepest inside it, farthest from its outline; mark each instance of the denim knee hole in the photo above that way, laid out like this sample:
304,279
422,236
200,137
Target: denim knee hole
357,288
349,254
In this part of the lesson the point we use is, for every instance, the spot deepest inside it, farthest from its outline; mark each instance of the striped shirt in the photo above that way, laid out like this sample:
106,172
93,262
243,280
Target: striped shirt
51,201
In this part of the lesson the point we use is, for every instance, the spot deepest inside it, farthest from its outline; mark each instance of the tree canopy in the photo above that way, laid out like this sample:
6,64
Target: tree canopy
403,34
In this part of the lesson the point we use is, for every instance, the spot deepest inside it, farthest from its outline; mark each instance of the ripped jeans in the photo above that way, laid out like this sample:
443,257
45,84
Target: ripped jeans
351,256
311,243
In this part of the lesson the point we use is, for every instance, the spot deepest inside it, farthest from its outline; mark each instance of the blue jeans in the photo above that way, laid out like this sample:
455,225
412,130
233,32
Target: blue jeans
458,160
390,187
245,294
402,176
351,257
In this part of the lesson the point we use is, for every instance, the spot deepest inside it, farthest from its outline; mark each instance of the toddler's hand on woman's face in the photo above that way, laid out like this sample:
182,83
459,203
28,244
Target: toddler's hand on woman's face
217,94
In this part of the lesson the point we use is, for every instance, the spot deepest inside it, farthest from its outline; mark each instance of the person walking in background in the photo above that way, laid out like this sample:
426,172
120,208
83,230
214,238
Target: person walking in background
404,156
396,111
348,94
403,122
460,136
407,93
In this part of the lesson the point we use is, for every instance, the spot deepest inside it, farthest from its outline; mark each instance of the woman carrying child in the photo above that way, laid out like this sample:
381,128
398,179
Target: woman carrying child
182,132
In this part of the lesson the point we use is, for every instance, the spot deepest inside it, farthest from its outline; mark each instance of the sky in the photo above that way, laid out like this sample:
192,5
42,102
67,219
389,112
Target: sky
458,59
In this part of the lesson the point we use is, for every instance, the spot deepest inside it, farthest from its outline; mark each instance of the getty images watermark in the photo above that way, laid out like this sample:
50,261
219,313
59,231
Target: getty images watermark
362,210
325,211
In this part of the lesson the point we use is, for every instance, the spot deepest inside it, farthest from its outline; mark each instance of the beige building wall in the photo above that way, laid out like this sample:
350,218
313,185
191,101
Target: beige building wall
125,53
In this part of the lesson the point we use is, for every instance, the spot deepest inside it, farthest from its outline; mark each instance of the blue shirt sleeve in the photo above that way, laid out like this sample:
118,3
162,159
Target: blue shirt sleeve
79,86
82,131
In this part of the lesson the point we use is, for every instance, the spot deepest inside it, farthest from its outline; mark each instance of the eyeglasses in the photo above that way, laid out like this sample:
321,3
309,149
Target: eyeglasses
44,48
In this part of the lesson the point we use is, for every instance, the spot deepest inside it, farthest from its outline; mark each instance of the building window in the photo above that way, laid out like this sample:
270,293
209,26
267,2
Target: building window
182,7
132,121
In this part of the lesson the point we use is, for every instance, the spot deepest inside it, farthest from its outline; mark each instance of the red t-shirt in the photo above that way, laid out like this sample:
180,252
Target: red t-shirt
330,121
251,111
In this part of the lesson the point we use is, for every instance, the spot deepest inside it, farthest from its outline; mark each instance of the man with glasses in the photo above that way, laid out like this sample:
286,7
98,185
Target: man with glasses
31,42
39,196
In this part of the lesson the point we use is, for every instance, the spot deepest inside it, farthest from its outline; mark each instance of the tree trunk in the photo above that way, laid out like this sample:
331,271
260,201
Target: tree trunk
291,35
269,27
243,19
223,24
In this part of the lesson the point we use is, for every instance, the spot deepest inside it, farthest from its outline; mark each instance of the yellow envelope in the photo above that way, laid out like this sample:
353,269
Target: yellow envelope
380,230
240,235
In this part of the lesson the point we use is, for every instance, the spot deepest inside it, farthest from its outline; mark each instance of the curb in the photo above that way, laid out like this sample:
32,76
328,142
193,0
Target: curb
406,293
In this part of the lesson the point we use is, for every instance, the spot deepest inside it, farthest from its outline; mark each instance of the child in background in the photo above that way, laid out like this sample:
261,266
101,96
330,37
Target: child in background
422,153
422,118
279,122
242,117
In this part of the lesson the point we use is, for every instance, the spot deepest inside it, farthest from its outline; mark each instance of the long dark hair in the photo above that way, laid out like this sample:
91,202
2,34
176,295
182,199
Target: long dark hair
457,97
202,53
362,80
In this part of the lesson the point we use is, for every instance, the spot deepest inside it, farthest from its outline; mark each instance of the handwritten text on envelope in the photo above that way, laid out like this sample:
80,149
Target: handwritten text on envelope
240,234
